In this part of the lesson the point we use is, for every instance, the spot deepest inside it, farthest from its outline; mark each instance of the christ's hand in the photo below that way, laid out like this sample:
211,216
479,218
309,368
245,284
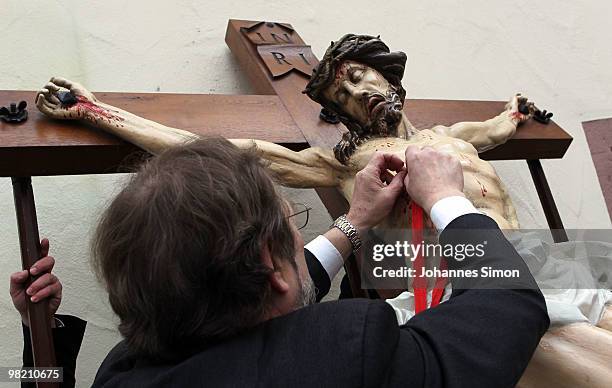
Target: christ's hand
54,99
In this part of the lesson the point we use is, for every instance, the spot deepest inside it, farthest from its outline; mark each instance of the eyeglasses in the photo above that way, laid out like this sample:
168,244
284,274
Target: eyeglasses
300,215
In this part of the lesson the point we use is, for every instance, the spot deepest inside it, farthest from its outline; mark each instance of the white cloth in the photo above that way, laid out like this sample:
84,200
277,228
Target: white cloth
403,304
574,276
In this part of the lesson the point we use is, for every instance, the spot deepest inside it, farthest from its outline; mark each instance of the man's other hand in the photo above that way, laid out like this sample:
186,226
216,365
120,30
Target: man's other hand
431,176
46,285
376,190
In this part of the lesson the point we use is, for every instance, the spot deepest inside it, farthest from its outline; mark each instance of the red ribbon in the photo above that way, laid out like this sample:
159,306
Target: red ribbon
419,285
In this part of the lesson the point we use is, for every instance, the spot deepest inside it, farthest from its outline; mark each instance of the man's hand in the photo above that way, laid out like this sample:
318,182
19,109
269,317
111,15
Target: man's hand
431,176
376,190
45,286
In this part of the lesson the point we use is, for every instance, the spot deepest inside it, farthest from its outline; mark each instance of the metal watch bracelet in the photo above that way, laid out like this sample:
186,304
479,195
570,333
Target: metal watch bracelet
349,230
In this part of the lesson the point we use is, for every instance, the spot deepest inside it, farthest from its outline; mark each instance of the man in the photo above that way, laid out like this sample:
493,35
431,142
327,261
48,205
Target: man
208,277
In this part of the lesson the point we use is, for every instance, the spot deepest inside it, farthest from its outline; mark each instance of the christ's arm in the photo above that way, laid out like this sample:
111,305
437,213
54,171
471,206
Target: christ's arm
485,135
312,167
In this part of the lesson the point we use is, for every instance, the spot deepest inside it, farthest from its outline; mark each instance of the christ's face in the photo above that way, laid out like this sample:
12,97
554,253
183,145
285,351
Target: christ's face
366,97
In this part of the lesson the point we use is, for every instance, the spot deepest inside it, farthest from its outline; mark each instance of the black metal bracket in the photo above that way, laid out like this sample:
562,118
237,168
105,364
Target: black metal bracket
542,116
15,113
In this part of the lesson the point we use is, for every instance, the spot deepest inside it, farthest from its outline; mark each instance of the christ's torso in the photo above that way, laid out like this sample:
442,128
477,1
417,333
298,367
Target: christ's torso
482,184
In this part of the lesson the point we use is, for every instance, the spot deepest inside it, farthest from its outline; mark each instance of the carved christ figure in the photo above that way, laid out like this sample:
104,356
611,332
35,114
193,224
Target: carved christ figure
359,81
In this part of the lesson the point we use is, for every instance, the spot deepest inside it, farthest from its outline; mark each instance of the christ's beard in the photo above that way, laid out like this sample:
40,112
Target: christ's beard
388,118
307,294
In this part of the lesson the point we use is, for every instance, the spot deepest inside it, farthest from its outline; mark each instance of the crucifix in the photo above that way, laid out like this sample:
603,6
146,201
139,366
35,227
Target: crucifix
279,65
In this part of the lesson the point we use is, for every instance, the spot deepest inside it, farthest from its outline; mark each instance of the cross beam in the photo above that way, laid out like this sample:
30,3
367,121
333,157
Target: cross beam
41,146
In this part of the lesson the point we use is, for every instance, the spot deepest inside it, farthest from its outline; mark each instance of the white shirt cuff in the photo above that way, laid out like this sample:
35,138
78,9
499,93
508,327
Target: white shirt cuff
327,254
447,209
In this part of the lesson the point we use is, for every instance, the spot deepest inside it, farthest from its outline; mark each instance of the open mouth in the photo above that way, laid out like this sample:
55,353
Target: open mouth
375,104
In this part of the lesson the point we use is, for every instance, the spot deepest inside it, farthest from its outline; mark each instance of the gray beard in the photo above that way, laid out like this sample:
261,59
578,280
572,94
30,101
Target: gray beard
307,294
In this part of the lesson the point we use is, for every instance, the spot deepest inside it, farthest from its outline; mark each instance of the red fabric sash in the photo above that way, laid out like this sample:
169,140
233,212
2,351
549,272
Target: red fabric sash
419,284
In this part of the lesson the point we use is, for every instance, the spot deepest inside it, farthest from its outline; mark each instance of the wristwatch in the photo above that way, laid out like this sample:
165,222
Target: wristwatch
349,230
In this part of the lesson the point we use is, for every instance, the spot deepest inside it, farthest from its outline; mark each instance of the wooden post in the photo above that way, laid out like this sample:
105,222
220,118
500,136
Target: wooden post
547,200
29,242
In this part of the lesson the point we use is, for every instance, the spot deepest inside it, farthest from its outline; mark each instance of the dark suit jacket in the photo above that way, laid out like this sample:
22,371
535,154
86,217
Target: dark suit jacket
478,338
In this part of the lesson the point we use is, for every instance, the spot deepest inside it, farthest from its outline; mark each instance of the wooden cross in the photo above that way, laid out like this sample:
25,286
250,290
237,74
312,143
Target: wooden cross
278,63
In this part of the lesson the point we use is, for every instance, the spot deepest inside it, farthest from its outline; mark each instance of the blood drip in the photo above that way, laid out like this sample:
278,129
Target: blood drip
86,105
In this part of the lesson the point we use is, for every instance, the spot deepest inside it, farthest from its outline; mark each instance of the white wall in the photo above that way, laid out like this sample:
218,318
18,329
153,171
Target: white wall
555,52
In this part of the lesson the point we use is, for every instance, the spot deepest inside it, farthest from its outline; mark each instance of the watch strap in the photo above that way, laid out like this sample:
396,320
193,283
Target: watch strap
349,231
